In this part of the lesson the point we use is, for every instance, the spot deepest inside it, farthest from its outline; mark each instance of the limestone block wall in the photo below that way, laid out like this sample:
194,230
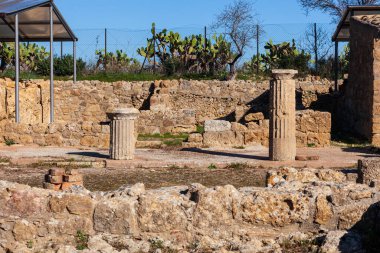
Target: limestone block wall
360,109
313,129
132,218
166,106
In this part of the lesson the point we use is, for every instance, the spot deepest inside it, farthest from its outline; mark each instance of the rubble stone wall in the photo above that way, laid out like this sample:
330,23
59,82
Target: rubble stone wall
166,107
132,218
360,109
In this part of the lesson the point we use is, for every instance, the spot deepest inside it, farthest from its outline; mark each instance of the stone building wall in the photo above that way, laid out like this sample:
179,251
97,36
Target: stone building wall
360,108
166,107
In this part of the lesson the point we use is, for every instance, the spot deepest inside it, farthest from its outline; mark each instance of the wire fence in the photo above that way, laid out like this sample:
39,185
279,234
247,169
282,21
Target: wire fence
305,36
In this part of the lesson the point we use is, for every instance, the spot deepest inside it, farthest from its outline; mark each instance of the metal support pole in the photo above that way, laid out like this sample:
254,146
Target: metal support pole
51,66
75,60
17,69
105,49
316,47
336,67
258,49
61,50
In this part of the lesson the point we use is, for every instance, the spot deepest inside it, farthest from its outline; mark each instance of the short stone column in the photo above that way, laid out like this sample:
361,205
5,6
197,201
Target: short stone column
123,138
282,131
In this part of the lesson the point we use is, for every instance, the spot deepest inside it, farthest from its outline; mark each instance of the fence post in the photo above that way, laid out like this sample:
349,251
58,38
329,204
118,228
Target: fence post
316,47
258,49
205,38
105,49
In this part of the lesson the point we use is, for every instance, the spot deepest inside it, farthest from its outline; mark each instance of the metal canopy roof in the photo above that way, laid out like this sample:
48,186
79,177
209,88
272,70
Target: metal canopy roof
34,21
342,32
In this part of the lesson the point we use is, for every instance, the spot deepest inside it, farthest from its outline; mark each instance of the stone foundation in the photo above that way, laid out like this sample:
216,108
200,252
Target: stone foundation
137,220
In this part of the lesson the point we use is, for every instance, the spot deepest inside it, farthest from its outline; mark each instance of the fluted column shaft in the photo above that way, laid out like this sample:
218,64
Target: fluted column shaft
123,138
282,132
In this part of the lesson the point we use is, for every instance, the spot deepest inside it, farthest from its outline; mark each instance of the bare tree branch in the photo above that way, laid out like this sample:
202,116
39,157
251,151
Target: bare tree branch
240,25
334,8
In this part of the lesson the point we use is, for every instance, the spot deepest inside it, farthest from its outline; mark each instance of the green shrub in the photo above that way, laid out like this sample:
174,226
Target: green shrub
81,240
62,66
9,142
285,56
200,129
212,167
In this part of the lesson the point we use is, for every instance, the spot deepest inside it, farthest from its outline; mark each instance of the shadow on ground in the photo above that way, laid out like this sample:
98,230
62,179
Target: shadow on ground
220,153
90,154
366,151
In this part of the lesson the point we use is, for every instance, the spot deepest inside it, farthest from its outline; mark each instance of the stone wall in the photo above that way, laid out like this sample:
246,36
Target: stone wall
166,107
360,108
220,219
313,129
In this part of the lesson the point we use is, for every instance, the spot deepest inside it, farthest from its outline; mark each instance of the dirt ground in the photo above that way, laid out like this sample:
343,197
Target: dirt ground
164,168
153,178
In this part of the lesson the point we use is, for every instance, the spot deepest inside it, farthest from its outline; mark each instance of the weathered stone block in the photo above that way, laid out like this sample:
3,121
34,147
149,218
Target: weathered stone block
254,117
324,211
217,126
369,170
197,138
116,216
223,139
275,208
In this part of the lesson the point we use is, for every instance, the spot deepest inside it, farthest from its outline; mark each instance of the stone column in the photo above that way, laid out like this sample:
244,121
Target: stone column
282,131
123,138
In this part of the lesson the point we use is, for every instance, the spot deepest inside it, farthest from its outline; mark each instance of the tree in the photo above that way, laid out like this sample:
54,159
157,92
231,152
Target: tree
334,8
240,25
317,42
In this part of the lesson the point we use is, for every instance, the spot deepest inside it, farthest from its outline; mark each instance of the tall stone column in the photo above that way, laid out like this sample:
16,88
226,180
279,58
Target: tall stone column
282,131
123,138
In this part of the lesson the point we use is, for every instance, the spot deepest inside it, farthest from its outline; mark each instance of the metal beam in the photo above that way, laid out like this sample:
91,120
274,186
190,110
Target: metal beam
51,66
31,39
35,23
17,70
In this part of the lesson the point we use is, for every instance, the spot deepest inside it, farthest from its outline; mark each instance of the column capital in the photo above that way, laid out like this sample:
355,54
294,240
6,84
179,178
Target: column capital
124,113
284,74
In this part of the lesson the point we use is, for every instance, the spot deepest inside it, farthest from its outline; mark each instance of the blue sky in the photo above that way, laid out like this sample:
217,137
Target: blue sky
129,21
139,14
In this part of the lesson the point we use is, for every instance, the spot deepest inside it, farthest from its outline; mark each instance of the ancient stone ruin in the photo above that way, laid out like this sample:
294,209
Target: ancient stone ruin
282,109
359,108
60,179
298,205
81,110
123,136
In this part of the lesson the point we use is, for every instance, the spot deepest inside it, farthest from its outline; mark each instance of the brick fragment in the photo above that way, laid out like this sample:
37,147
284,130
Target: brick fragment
73,178
54,179
57,172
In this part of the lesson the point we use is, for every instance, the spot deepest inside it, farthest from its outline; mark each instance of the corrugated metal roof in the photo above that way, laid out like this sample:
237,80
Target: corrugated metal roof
342,32
13,6
34,21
